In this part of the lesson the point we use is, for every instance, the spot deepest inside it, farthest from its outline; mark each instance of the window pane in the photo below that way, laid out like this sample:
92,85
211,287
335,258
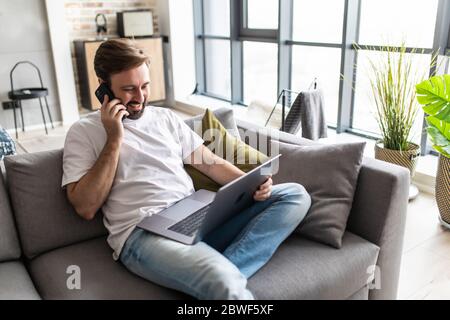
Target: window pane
217,17
260,72
262,14
327,29
391,22
321,63
445,62
218,67
365,108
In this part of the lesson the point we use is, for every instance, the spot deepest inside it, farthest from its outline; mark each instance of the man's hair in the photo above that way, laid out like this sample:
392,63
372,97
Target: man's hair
117,55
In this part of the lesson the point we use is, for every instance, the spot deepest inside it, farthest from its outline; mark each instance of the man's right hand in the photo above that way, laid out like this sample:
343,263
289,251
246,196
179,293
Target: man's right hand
112,113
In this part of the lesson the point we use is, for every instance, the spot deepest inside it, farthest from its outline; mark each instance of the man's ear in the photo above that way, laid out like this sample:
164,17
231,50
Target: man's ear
100,80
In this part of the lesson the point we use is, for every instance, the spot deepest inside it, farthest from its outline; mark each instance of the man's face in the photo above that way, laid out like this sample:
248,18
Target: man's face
132,87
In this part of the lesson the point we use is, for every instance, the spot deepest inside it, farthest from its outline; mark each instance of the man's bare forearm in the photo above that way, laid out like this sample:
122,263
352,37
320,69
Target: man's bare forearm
222,171
215,167
92,189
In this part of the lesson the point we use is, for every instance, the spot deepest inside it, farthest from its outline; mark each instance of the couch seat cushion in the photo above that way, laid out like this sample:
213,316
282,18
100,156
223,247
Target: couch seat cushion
304,269
300,269
15,283
101,277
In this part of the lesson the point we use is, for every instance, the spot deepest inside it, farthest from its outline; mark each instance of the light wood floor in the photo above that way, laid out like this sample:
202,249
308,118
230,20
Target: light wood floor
425,268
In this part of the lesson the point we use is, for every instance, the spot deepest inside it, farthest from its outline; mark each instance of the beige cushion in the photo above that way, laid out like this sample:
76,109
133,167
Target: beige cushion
220,142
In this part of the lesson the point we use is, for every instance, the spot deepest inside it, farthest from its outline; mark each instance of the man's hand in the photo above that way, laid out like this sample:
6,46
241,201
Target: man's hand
264,191
112,113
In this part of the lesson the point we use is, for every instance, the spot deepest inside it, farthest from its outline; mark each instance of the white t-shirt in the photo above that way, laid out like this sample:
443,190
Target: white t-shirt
150,174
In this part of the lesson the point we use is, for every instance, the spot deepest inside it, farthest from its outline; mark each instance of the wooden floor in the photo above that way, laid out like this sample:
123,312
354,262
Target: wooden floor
425,268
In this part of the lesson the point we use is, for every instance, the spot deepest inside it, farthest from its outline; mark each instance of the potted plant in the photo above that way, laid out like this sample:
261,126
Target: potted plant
434,96
393,77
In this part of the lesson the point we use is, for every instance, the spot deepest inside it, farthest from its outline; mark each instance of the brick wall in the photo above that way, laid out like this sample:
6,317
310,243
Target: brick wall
80,17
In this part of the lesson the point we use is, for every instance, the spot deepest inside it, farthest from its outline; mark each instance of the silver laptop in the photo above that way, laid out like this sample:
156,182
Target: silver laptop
191,219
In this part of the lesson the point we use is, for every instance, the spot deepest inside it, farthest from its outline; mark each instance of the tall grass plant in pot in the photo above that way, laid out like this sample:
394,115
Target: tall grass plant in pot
393,76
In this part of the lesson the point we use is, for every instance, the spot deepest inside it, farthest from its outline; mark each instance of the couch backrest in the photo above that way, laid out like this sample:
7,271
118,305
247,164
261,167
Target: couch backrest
45,219
9,243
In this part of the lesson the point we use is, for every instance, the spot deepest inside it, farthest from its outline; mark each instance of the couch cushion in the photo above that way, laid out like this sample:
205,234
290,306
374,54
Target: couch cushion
329,173
224,115
45,219
300,269
16,283
101,276
9,242
218,139
303,269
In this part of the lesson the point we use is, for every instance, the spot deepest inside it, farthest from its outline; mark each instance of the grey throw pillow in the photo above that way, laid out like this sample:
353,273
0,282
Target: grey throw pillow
224,115
329,173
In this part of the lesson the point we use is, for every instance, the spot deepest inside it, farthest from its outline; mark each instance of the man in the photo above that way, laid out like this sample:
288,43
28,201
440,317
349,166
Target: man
133,167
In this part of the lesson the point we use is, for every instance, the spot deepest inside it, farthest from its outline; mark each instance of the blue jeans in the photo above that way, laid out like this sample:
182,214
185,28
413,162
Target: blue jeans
218,267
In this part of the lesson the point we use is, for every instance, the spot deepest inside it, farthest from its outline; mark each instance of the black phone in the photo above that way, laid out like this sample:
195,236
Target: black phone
103,90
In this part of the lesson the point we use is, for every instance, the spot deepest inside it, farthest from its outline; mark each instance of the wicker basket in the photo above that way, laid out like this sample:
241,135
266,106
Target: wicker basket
407,158
443,188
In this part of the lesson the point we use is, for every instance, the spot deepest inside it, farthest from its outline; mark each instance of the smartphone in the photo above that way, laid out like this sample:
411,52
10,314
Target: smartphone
103,90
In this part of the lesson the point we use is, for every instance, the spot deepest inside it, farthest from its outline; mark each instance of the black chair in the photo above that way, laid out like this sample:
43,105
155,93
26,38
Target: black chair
28,93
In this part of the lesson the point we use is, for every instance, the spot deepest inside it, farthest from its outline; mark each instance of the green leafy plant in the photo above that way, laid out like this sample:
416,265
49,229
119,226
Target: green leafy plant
393,77
434,96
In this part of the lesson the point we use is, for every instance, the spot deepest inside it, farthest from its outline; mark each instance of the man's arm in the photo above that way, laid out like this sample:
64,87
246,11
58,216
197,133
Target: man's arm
222,171
90,192
213,166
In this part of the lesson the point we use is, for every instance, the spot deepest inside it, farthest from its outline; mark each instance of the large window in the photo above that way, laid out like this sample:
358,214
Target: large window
217,17
262,14
218,69
321,65
212,26
260,72
318,20
395,21
250,50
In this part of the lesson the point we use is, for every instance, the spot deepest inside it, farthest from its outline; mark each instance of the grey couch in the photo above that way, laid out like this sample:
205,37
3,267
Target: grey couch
41,237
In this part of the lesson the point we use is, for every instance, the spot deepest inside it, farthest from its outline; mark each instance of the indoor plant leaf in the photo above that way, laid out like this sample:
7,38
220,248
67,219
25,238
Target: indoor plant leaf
440,142
442,126
434,96
443,151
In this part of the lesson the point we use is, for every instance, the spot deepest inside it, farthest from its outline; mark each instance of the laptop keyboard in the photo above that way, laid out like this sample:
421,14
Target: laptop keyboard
189,225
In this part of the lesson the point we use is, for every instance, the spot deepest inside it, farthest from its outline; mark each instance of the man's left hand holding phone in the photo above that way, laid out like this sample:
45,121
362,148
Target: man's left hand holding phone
112,112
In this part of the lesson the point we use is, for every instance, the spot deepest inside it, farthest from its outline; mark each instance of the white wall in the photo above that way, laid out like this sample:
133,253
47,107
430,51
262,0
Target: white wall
177,21
24,35
60,45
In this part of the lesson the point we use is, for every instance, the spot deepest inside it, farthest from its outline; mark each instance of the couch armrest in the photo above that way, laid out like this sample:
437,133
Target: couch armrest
378,215
378,212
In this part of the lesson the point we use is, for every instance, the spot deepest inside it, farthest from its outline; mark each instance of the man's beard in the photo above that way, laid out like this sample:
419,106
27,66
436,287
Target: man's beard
135,114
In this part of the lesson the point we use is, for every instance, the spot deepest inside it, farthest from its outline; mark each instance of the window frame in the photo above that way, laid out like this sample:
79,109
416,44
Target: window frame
239,32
